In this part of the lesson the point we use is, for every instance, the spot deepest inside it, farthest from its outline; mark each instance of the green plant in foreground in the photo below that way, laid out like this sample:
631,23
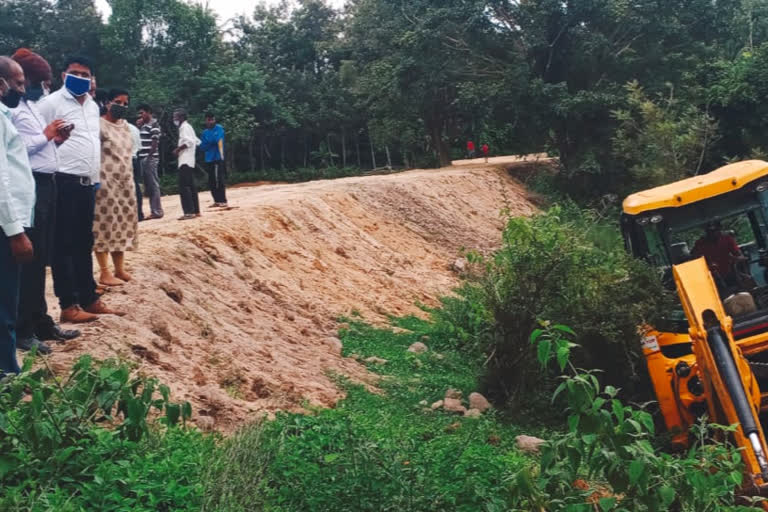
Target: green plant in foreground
606,459
88,442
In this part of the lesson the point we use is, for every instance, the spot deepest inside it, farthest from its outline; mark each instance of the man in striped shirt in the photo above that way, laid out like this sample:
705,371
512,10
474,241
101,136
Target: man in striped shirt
149,157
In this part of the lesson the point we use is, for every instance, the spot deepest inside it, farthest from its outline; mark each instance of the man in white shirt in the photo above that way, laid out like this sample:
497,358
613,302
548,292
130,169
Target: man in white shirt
17,200
76,183
185,152
34,324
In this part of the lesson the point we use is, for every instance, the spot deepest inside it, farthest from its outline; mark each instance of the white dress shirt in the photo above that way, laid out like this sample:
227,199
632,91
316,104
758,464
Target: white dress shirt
187,136
136,134
17,186
80,155
30,125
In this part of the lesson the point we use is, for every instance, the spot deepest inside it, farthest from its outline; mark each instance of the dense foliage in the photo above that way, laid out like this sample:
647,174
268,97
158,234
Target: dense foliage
78,444
96,440
564,263
302,85
607,460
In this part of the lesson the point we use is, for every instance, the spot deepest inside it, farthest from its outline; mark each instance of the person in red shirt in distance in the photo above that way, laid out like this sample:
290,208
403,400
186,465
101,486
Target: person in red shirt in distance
722,253
484,148
470,149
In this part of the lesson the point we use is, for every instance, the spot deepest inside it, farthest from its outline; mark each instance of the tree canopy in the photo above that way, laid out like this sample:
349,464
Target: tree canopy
624,93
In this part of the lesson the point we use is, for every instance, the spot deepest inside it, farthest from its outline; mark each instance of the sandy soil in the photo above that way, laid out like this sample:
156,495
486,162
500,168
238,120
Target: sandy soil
237,310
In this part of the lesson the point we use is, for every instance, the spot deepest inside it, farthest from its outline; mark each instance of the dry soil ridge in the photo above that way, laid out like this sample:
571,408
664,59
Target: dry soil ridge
236,311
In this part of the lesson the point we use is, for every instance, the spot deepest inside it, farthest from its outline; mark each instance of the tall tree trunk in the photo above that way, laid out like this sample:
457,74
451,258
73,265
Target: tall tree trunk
251,156
389,159
282,152
435,128
261,151
330,151
357,146
373,154
306,149
344,148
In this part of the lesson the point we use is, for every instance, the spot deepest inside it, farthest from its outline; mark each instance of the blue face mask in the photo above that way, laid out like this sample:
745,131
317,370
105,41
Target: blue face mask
77,85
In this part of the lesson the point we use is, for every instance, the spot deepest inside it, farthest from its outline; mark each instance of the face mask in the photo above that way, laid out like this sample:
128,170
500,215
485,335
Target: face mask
177,122
118,111
76,85
34,93
12,98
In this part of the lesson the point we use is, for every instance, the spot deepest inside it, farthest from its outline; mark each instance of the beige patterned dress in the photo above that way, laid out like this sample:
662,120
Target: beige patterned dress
115,221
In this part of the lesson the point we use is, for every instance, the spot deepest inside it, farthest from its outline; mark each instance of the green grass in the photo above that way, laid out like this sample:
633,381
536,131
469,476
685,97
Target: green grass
375,451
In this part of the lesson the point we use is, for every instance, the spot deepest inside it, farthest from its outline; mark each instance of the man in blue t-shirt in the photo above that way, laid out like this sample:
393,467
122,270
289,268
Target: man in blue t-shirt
212,142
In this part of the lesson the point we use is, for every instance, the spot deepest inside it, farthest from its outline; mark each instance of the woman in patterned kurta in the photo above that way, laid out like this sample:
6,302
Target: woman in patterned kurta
115,224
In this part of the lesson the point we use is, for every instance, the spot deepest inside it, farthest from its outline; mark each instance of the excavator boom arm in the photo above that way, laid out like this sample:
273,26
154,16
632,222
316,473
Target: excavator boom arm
731,391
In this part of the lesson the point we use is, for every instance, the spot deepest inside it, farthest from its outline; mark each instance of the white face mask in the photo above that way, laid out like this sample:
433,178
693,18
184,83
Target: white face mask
177,122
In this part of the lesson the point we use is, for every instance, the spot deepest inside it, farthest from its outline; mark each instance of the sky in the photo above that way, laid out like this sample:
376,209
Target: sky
226,9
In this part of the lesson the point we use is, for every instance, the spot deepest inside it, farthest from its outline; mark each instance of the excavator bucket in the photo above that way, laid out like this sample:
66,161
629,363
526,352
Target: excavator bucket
731,390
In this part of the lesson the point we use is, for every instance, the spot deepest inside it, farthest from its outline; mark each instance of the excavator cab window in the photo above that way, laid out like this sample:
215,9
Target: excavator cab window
669,236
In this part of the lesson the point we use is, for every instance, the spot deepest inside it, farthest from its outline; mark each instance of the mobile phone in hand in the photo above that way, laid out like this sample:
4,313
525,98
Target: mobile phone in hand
67,128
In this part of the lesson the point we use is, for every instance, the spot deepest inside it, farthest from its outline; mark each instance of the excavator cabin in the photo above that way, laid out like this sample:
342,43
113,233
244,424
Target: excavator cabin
708,236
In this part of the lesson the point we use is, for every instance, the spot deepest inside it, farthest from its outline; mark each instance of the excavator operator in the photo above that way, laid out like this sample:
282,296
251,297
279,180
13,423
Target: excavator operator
722,253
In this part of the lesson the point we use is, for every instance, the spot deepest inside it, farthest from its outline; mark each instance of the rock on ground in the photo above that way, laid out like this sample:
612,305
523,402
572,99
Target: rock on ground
418,348
334,345
479,402
473,413
453,393
376,360
454,405
205,423
437,405
529,444
459,266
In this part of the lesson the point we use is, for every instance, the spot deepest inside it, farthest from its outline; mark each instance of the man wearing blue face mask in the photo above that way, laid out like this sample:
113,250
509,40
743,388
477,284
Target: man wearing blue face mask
35,325
76,182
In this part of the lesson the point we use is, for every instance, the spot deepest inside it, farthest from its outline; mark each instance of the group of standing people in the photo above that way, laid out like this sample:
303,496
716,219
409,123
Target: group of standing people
70,169
472,153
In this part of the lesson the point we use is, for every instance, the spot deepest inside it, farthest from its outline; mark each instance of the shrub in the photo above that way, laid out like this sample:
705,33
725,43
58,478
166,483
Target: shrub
564,263
606,460
90,442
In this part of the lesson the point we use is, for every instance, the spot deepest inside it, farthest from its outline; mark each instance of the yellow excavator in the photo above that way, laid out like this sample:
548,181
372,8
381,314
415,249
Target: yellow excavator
708,235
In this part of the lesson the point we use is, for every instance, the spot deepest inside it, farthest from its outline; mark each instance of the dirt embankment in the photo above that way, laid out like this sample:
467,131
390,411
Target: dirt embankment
236,311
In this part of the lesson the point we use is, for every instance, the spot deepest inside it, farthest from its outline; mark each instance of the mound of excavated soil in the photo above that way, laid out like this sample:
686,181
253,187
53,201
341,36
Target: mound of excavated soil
236,311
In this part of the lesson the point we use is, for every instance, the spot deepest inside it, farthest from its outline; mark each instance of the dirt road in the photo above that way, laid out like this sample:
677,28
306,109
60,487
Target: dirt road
237,310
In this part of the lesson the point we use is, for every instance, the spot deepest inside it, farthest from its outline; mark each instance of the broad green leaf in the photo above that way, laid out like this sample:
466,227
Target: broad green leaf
331,457
667,495
636,468
618,410
544,351
564,328
607,504
563,353
536,334
7,464
173,412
